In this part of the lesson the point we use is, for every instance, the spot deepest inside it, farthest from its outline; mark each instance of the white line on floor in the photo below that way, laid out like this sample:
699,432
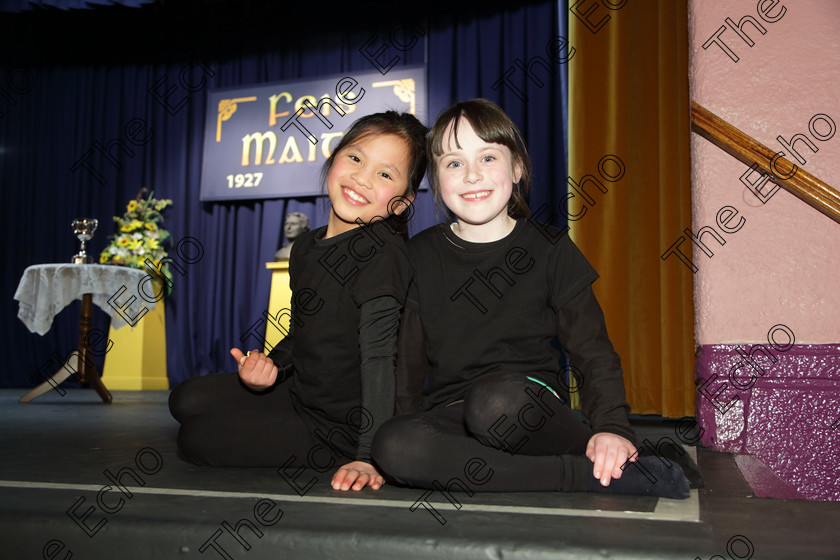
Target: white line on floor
687,510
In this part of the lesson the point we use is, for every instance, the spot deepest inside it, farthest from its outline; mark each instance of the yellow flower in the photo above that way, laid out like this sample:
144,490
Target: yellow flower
139,235
132,225
103,258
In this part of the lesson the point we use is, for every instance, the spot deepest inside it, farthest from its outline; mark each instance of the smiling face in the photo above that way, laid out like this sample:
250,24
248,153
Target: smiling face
364,177
476,179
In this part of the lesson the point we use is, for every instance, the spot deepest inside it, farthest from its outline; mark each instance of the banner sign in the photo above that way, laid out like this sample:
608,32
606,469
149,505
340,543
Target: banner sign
270,140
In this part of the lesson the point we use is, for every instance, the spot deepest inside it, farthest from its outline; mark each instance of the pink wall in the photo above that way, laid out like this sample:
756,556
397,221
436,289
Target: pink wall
783,265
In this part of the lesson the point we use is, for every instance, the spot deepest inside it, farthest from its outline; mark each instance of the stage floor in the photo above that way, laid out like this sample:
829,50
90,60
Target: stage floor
57,449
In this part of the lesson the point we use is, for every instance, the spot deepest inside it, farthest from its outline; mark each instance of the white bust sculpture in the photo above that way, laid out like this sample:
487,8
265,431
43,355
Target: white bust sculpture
296,224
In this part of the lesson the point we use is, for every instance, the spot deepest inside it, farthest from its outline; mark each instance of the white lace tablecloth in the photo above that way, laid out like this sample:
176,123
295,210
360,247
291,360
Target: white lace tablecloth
46,289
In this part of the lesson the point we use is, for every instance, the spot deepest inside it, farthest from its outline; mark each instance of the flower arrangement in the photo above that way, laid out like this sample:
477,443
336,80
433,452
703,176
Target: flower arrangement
139,237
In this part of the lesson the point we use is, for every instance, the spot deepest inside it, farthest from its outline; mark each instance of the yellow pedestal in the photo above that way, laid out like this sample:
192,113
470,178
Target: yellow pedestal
137,360
279,299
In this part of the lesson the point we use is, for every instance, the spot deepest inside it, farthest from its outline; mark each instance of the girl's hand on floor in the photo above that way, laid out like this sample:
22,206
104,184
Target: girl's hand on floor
357,475
609,452
256,370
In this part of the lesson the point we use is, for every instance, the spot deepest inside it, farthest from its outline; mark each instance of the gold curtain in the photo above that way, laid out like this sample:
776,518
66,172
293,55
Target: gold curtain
628,99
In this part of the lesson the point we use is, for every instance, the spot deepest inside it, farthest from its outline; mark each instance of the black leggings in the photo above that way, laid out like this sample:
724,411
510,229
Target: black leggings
508,434
223,424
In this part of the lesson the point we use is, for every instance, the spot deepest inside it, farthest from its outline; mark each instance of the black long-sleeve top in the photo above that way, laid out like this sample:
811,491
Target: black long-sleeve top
478,308
347,292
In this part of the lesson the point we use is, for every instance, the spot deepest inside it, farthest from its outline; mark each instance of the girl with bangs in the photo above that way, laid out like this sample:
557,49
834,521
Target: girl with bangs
491,291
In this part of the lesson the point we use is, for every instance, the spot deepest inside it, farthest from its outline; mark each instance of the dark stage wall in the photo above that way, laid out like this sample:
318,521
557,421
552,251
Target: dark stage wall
71,82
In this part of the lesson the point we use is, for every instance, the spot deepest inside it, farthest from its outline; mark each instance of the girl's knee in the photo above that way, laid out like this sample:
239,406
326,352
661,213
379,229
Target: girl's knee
194,445
387,436
179,400
493,398
202,395
397,444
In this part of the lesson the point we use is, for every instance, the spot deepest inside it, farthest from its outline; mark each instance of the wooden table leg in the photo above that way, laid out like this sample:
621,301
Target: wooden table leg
79,363
87,368
65,371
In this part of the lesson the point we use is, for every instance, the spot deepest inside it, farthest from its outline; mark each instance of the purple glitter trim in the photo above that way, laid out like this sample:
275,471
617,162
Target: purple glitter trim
780,404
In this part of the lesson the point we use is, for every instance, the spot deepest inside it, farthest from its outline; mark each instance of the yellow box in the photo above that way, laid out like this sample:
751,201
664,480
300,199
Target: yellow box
137,360
280,298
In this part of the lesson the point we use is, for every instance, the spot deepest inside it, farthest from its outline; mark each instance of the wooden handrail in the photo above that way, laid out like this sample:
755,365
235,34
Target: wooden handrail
750,151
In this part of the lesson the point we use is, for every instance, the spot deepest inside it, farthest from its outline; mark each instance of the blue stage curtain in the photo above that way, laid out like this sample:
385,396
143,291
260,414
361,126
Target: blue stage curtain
53,113
24,5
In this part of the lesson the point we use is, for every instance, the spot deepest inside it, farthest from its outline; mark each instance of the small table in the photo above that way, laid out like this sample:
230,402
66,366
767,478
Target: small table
46,289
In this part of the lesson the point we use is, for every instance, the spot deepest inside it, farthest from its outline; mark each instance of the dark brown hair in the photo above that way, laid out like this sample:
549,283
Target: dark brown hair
492,125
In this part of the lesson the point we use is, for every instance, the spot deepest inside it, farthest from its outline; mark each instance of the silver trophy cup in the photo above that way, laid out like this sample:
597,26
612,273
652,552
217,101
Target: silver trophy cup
83,228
